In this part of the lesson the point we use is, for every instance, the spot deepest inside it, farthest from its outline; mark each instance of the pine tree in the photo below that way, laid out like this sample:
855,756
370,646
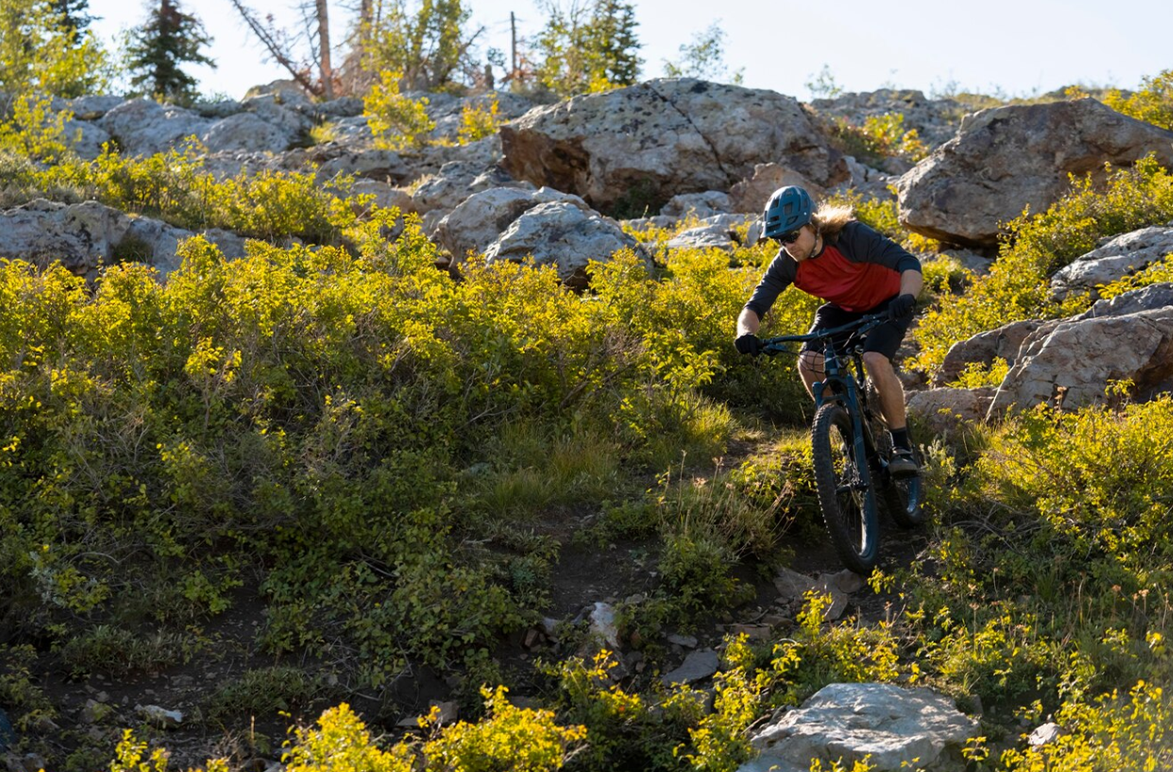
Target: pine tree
588,46
612,42
74,14
155,52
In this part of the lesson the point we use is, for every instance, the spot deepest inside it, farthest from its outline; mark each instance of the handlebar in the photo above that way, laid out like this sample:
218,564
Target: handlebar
778,345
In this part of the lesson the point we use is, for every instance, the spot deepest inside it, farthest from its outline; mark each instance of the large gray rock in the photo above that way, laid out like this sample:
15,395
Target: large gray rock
701,205
564,235
711,233
894,728
88,108
983,348
86,138
935,120
1149,298
1124,255
697,666
144,127
83,237
376,164
751,194
247,132
476,223
637,147
1072,362
1008,158
946,412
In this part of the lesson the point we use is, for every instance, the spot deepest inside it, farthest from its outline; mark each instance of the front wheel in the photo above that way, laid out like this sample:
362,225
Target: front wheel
846,494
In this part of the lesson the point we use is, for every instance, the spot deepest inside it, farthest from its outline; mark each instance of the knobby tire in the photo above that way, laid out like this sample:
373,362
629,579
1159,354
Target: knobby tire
846,492
901,497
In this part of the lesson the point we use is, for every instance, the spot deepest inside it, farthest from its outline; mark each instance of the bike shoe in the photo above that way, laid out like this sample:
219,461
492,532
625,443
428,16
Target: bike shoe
903,463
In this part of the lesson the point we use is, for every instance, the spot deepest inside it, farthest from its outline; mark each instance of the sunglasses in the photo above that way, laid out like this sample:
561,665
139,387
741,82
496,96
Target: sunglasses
788,238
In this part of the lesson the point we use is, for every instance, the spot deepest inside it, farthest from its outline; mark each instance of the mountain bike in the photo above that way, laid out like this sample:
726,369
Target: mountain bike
851,446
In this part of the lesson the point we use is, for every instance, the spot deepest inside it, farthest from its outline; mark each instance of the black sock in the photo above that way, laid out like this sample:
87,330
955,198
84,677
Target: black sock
900,438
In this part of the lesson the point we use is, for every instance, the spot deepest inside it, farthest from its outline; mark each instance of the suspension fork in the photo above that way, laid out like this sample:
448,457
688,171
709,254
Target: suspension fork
850,398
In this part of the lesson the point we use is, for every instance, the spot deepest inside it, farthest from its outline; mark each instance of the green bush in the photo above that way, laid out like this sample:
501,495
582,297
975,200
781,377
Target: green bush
1039,245
1152,103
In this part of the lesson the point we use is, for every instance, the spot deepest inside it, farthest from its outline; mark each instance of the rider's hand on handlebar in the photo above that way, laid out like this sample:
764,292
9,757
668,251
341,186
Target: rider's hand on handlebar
901,308
748,344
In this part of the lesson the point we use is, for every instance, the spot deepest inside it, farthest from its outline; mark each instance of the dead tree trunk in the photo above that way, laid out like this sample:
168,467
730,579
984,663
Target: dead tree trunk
327,72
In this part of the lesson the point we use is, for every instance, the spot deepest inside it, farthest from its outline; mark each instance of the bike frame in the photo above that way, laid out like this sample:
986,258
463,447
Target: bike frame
846,388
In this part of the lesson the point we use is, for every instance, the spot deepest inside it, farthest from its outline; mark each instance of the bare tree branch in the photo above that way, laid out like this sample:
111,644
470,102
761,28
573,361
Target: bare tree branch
278,49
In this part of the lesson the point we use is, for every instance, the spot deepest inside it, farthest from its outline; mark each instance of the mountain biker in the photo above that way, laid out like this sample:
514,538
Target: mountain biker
829,254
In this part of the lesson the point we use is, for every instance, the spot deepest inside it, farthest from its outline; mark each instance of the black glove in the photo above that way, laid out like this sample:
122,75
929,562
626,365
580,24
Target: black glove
901,308
749,344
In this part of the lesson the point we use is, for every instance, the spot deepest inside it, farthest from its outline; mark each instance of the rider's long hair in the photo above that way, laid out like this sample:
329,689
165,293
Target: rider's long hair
830,219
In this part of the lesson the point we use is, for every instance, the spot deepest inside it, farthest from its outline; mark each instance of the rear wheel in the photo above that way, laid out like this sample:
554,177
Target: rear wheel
901,495
846,494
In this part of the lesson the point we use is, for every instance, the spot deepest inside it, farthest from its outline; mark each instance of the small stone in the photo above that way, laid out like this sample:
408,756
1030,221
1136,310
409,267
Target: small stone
753,632
603,624
532,638
1045,735
182,682
844,581
449,711
93,712
792,585
161,717
687,641
697,666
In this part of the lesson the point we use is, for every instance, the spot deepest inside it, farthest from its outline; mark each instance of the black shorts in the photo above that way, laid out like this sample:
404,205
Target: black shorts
884,338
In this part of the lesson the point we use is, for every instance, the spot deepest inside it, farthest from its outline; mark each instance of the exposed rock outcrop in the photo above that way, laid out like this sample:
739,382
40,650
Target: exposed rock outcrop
893,728
83,237
1072,362
482,217
1124,255
637,147
564,235
1005,159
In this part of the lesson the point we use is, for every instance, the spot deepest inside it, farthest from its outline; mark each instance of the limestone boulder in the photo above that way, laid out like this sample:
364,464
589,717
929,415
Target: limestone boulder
83,237
1121,256
1007,158
1072,362
891,727
711,233
484,216
751,194
143,126
947,412
935,120
700,205
88,108
448,112
86,138
246,132
984,348
564,235
1150,298
635,148
373,163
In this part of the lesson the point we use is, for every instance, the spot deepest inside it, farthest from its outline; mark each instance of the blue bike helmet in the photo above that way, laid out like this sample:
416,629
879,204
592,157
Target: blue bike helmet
788,209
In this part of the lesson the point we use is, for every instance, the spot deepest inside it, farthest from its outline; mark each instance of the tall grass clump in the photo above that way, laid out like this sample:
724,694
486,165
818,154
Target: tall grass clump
1036,246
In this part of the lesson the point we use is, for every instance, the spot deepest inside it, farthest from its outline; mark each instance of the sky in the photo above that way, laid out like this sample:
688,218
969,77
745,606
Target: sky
998,47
